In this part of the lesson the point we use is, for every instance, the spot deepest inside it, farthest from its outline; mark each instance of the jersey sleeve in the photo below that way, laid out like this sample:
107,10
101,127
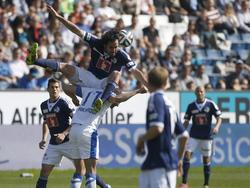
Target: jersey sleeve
188,114
216,110
156,111
128,62
91,39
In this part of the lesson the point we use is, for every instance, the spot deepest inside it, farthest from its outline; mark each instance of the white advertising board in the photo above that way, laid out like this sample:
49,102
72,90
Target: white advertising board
23,108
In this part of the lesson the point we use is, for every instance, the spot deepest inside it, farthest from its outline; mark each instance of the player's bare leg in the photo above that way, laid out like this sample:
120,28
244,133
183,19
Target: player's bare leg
32,59
186,166
90,175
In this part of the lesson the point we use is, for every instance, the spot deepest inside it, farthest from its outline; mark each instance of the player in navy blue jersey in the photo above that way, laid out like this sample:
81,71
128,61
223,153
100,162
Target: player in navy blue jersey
107,59
201,133
163,126
57,114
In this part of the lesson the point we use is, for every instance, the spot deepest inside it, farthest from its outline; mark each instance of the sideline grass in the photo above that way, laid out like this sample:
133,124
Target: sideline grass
222,177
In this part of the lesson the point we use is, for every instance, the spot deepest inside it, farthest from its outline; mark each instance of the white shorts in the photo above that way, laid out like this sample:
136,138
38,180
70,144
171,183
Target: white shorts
85,142
157,178
85,78
55,153
205,146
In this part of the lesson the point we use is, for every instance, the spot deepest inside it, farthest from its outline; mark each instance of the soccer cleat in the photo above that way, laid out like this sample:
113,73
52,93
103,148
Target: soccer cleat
183,186
32,54
108,186
97,105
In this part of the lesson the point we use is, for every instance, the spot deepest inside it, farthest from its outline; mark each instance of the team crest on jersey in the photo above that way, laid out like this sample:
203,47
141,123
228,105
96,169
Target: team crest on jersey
113,60
57,109
194,111
207,109
45,111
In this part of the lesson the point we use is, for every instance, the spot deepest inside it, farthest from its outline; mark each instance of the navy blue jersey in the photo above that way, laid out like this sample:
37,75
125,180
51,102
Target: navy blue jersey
202,115
162,150
57,116
101,64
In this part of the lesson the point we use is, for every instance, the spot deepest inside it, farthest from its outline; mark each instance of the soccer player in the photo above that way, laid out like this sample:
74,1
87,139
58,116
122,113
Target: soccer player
57,114
163,126
107,59
83,134
201,133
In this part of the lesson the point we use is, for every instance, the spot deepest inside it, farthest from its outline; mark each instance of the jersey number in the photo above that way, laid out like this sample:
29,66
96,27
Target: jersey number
94,95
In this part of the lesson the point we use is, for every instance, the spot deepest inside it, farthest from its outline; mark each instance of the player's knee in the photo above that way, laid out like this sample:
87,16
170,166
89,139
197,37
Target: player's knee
187,156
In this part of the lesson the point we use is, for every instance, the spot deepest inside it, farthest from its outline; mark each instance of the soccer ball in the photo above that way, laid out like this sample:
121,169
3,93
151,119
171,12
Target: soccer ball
125,38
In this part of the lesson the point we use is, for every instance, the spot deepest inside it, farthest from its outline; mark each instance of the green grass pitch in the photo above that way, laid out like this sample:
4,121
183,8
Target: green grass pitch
222,177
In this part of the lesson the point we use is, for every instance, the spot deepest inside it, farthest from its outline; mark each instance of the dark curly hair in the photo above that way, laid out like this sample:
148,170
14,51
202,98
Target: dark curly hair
110,36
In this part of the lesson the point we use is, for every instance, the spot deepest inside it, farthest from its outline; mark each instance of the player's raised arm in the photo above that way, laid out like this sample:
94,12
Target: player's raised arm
140,76
71,26
126,95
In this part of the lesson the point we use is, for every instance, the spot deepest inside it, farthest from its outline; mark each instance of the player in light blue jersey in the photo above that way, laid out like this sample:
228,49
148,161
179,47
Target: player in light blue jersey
57,113
201,133
107,59
163,127
83,134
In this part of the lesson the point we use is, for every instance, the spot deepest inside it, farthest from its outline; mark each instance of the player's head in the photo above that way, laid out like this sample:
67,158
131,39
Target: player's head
110,41
200,93
157,78
53,88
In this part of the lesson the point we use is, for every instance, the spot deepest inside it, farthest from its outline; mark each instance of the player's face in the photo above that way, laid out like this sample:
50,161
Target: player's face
200,94
54,90
111,47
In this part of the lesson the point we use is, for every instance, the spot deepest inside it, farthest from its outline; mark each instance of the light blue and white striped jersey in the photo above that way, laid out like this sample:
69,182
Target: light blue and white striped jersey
84,114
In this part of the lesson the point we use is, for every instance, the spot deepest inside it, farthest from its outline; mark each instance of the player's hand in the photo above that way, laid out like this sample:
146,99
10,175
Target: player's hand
215,130
52,10
76,101
140,150
142,90
60,137
179,173
42,144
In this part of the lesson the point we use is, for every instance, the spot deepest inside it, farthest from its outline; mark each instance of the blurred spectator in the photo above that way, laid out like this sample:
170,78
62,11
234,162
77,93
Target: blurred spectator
191,36
185,77
244,17
161,7
6,75
221,84
21,32
7,44
177,44
201,78
235,84
117,6
169,62
21,7
244,84
42,82
230,19
191,86
208,37
191,6
208,87
18,66
29,81
176,11
120,24
107,14
130,7
150,60
175,85
82,22
151,34
239,73
146,7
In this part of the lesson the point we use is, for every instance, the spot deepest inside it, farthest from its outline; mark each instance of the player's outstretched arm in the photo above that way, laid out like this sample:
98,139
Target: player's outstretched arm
140,76
45,133
71,26
126,95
